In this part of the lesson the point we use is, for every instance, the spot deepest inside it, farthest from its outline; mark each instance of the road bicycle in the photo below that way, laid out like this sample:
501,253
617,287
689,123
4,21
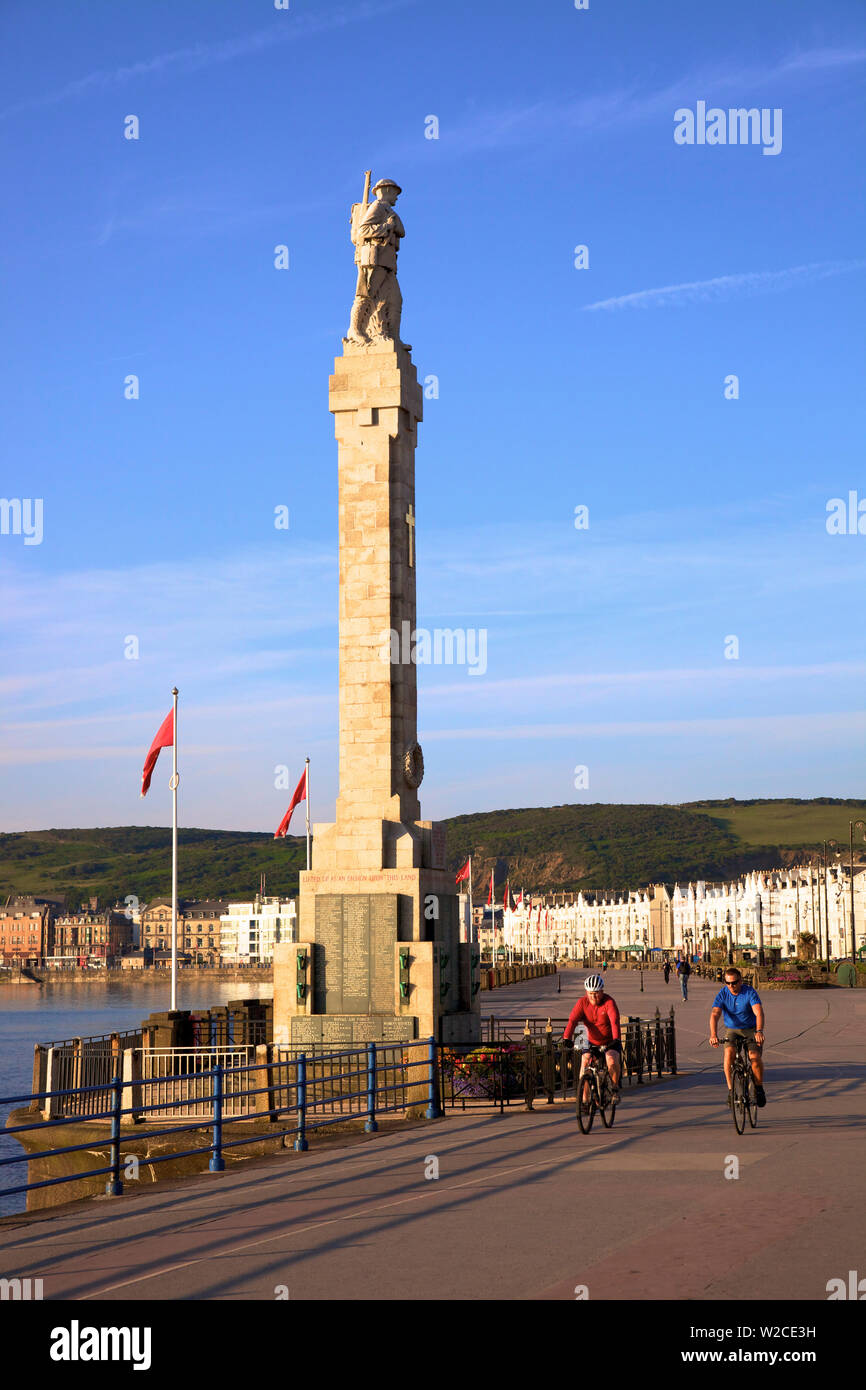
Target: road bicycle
744,1096
594,1091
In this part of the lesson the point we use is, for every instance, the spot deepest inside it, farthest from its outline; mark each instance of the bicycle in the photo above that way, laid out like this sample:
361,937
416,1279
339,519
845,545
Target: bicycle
602,1097
744,1099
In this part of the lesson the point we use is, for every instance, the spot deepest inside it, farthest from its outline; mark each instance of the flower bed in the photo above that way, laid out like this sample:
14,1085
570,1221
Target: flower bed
486,1073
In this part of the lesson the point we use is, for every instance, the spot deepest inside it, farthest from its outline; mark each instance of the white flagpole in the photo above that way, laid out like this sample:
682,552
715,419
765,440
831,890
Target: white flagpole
173,784
471,939
307,789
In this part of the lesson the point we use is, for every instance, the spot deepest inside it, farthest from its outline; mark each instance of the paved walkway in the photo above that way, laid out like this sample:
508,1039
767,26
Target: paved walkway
524,1205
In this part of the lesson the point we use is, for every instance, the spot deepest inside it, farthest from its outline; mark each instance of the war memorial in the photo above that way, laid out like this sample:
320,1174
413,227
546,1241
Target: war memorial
381,1130
379,955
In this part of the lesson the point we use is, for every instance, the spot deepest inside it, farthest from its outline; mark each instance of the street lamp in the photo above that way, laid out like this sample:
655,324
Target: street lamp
852,826
835,846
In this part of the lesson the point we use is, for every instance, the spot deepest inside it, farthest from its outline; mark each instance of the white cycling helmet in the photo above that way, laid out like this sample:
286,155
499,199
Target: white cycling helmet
593,983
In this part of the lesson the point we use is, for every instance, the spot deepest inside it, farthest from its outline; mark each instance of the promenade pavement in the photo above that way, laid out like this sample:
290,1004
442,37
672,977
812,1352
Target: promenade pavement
524,1207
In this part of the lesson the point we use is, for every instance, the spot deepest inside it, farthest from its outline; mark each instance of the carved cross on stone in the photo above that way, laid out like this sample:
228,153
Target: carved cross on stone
410,522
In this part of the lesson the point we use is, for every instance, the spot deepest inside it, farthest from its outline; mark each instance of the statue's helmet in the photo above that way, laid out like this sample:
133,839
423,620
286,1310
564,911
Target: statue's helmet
386,183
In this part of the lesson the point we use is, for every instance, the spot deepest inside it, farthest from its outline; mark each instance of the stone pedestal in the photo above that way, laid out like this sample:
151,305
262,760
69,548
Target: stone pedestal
378,913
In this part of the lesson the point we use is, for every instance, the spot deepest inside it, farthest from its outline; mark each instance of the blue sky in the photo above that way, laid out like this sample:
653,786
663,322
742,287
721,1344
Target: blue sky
558,387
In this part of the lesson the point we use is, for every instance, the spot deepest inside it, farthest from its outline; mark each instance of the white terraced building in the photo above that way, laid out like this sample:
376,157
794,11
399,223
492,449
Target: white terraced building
249,931
552,928
762,909
772,909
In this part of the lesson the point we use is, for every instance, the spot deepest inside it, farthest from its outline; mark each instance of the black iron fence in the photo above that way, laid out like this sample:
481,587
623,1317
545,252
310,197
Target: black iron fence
529,1061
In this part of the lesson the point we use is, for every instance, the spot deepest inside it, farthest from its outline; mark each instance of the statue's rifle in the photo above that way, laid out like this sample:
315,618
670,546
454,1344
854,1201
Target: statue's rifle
358,208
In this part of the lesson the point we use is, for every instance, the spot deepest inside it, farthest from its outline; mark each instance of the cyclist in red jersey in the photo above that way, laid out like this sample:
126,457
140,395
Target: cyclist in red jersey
599,1014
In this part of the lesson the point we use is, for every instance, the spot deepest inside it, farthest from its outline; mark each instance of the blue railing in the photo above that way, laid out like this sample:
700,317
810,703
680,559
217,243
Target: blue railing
311,1088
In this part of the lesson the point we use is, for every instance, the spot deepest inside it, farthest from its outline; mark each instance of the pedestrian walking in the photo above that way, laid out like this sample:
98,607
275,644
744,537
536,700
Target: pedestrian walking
684,970
666,970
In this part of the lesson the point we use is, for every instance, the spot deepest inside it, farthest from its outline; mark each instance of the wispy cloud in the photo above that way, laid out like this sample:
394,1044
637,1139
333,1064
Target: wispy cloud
781,727
195,214
728,286
286,28
528,123
663,676
823,60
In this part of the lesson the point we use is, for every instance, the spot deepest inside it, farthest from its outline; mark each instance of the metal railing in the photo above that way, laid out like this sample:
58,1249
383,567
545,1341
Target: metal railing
180,1081
79,1063
529,1059
327,1075
370,1080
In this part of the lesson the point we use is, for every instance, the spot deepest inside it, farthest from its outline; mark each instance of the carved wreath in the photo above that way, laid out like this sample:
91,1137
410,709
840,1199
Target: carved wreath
413,765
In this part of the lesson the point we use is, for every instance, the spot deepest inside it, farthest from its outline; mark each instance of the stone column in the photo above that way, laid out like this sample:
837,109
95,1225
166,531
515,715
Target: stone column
376,402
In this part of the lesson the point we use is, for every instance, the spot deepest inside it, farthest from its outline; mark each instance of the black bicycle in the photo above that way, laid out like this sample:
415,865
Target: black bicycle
595,1092
744,1096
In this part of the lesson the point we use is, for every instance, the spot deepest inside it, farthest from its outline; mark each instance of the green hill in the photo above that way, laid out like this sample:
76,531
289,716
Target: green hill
110,863
548,848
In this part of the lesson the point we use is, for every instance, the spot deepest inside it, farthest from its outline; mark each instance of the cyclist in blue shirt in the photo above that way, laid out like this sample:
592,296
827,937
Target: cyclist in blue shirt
740,1006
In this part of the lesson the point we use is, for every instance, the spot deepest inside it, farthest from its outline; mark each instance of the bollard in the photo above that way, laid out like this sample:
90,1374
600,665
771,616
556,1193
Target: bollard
114,1186
432,1112
217,1162
672,1044
548,1064
528,1066
370,1125
301,1144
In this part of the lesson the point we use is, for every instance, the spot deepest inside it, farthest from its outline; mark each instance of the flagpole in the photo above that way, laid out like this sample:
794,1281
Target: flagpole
471,942
308,812
173,784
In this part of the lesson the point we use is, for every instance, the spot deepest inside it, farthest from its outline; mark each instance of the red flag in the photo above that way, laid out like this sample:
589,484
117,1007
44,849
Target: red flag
164,739
300,795
490,890
463,875
519,902
506,901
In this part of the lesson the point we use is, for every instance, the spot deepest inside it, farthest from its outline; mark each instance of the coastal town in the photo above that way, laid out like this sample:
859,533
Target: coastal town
803,911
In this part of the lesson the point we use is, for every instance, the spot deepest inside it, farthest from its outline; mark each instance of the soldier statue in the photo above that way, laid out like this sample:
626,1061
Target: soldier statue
376,234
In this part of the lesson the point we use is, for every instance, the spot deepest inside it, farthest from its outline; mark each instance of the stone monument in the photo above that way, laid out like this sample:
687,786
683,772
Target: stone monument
379,955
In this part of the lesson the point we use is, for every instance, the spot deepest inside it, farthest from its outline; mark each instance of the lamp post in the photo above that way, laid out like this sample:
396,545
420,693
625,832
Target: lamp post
852,826
835,845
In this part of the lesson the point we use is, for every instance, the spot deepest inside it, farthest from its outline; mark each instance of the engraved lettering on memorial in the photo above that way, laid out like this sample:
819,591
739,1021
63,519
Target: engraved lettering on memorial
356,955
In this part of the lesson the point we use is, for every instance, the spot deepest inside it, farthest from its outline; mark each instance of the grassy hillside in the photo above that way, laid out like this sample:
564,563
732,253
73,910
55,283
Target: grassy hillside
548,848
790,823
111,862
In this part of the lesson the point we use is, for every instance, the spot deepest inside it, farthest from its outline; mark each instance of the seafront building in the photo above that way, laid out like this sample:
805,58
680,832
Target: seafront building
26,931
199,923
90,937
762,910
250,931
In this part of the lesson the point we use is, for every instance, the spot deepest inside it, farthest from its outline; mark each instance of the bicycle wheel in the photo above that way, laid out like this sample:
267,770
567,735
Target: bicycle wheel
607,1101
752,1101
738,1087
585,1114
